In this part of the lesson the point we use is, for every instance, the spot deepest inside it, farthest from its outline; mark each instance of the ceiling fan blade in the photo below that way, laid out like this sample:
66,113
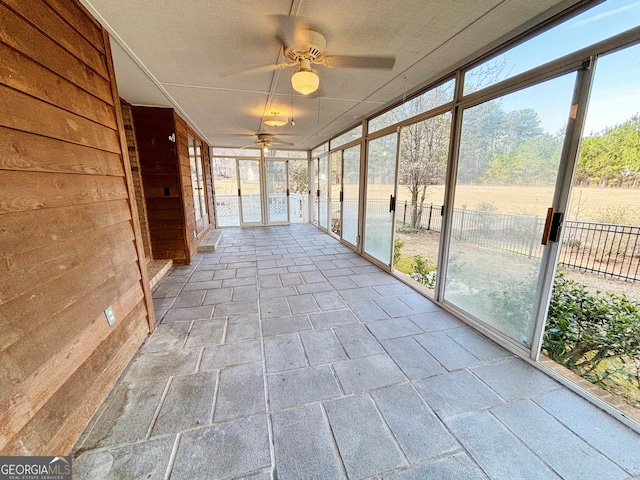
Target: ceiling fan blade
278,142
291,32
261,69
352,61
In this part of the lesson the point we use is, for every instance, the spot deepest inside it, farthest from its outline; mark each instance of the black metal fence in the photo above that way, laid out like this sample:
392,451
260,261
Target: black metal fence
607,249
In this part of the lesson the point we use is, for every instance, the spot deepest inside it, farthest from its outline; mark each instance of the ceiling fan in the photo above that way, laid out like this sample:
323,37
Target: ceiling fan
304,47
266,142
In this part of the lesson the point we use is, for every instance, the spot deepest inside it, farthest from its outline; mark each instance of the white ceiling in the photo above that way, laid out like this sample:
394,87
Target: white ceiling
169,53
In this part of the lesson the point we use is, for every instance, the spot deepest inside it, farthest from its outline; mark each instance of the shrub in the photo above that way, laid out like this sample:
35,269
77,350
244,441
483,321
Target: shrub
423,272
597,336
397,250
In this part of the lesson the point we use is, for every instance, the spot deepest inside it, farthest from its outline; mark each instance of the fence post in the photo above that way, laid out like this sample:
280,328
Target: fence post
430,212
532,237
404,215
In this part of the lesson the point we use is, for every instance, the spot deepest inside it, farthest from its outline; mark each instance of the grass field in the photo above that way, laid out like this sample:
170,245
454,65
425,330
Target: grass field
606,205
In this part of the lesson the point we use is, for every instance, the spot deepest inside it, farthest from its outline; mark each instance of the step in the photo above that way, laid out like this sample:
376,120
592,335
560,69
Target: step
211,241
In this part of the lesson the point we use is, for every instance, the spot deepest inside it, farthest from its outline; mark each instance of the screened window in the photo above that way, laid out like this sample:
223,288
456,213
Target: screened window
319,150
351,135
236,152
597,24
431,99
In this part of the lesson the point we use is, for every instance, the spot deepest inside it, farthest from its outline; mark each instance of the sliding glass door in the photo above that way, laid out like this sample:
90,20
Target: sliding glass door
508,166
277,191
323,192
380,198
350,194
250,191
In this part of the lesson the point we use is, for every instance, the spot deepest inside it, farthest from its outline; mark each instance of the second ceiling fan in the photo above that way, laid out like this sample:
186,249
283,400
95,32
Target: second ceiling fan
304,47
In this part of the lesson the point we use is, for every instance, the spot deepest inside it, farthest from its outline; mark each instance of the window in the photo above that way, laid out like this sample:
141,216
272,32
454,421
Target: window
599,23
429,100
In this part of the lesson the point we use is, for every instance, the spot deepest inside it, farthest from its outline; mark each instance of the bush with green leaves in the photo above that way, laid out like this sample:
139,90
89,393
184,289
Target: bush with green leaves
596,335
397,250
423,272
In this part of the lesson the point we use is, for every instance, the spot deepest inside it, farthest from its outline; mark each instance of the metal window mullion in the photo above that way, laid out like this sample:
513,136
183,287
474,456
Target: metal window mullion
568,165
449,191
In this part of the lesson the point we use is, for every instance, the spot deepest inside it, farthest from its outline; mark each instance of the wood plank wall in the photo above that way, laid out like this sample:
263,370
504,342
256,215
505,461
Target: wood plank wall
136,176
194,237
166,176
160,178
69,235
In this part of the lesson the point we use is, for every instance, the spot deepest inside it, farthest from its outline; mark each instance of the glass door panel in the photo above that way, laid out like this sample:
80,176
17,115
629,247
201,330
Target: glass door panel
596,286
277,204
323,189
335,189
226,192
203,221
250,205
380,198
315,190
298,191
507,169
350,194
424,151
194,183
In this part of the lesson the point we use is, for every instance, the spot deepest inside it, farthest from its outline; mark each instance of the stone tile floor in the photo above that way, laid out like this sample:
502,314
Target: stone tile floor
285,355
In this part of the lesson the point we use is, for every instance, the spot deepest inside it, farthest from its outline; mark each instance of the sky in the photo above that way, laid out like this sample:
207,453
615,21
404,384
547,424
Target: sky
616,91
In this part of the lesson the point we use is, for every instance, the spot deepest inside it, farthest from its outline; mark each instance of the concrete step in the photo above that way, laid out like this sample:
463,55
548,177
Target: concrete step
211,241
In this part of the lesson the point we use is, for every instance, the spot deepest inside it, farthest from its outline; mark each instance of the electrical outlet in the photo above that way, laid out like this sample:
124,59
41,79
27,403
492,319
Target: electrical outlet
111,316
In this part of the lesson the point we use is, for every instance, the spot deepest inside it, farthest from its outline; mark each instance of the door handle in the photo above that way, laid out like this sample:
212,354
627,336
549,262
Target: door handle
546,233
551,232
392,203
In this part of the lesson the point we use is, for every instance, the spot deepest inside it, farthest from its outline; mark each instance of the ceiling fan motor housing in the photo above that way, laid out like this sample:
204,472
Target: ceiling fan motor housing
315,43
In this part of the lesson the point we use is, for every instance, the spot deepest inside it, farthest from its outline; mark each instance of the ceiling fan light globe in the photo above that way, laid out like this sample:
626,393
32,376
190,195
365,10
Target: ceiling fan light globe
275,120
305,81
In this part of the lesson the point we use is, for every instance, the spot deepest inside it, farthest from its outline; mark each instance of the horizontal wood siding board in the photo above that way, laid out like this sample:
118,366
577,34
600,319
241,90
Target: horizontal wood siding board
36,190
28,152
154,180
42,340
53,260
172,203
36,228
18,408
32,78
160,170
47,21
25,38
177,256
58,424
168,224
22,315
76,16
23,112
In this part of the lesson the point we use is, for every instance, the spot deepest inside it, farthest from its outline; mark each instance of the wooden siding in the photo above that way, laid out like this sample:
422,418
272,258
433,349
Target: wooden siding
136,175
162,189
70,241
166,178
